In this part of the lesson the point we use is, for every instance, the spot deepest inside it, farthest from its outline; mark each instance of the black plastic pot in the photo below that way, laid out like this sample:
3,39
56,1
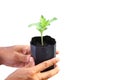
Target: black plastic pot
42,53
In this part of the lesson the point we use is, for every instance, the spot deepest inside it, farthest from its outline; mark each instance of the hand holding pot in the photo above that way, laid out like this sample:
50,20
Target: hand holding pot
34,73
15,56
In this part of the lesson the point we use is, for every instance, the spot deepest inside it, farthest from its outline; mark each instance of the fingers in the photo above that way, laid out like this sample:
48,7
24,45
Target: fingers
48,74
42,66
57,52
20,64
25,49
22,57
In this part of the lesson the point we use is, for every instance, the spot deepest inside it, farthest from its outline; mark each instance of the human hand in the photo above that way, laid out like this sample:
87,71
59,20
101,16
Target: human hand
15,56
34,72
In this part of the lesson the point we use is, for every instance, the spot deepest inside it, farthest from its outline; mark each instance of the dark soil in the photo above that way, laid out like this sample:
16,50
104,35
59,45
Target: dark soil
47,41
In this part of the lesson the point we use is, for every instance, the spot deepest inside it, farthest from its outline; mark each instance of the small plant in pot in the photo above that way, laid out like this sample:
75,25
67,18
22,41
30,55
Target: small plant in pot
43,47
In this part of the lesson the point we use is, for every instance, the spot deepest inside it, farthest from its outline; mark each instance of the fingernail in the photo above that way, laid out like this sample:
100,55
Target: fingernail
31,59
28,58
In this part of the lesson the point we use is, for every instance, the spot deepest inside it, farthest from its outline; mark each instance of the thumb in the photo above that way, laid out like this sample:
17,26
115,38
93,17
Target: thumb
23,58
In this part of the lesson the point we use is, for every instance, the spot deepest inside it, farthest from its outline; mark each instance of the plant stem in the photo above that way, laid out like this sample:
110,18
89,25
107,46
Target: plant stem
42,38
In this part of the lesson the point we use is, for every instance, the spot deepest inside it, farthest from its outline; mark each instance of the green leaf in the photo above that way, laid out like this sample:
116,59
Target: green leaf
34,24
53,19
42,25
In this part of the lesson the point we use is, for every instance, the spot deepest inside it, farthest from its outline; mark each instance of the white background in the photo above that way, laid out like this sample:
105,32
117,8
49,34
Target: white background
87,34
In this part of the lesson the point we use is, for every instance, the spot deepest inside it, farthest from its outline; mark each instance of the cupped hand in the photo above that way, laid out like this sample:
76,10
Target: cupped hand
15,56
34,72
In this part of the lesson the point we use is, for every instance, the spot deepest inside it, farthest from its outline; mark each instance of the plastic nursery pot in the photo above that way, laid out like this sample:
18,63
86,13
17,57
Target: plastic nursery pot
42,53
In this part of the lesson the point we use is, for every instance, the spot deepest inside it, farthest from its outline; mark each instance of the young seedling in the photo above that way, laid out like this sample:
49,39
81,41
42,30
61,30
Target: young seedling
41,26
